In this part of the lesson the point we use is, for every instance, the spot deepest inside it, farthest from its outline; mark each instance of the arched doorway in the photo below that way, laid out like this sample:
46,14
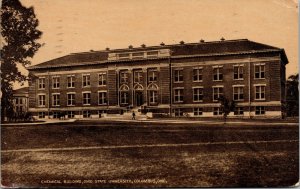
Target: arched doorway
138,95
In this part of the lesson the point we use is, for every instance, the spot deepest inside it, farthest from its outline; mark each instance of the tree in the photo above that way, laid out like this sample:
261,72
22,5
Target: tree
19,34
227,106
292,95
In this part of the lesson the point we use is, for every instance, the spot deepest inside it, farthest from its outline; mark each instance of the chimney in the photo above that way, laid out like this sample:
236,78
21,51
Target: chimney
143,45
107,48
130,46
202,41
181,42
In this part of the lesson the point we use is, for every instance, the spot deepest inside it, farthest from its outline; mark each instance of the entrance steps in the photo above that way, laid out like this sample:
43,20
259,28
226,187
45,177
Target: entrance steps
128,115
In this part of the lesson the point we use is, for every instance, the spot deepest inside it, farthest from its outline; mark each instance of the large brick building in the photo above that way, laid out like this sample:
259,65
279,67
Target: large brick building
183,79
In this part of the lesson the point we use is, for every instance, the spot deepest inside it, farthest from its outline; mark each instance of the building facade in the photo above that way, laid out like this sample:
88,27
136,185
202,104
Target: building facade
20,100
184,79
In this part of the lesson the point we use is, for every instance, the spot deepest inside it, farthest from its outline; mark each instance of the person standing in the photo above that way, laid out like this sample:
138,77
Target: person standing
133,115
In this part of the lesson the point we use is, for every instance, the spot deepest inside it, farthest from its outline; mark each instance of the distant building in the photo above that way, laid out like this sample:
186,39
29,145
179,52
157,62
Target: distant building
20,100
183,79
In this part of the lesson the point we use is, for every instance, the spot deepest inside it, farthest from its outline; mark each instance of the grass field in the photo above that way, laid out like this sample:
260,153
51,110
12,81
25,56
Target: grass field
145,156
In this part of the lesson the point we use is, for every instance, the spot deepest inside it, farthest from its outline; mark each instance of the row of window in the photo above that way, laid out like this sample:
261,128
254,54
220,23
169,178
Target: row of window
238,73
19,101
71,114
86,99
238,95
259,110
20,109
134,55
86,81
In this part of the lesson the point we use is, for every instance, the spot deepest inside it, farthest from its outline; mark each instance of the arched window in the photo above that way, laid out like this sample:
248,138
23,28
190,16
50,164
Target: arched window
153,94
152,86
138,87
124,88
124,94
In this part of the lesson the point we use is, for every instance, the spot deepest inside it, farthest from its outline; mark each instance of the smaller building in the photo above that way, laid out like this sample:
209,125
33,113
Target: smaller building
20,100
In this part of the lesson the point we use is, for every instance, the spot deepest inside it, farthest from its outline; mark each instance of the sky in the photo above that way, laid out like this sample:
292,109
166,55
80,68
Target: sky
71,26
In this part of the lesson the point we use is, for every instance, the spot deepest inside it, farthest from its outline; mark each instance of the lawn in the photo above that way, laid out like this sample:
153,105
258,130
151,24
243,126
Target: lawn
220,164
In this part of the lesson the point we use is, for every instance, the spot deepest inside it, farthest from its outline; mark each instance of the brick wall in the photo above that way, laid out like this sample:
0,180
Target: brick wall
274,76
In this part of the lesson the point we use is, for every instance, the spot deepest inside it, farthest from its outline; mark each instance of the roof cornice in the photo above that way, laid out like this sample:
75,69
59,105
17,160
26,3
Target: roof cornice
36,67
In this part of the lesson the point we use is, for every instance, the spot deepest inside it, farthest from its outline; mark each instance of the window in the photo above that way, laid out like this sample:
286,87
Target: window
217,111
71,99
238,93
124,97
55,82
71,114
178,75
86,97
55,99
55,114
260,92
239,111
41,83
19,108
102,98
102,79
198,94
259,71
152,75
42,115
17,101
238,72
41,100
101,112
217,93
198,111
178,95
153,97
86,78
138,76
152,54
86,114
218,75
259,110
71,80
153,93
138,55
123,77
197,74
178,112
124,56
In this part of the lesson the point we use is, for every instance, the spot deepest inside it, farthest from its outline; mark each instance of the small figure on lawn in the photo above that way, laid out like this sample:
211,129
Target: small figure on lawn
133,115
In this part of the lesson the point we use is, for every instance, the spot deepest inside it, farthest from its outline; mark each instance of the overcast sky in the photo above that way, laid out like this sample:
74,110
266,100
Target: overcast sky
70,26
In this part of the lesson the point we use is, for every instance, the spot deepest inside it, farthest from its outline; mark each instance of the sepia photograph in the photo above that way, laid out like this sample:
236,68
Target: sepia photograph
149,94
